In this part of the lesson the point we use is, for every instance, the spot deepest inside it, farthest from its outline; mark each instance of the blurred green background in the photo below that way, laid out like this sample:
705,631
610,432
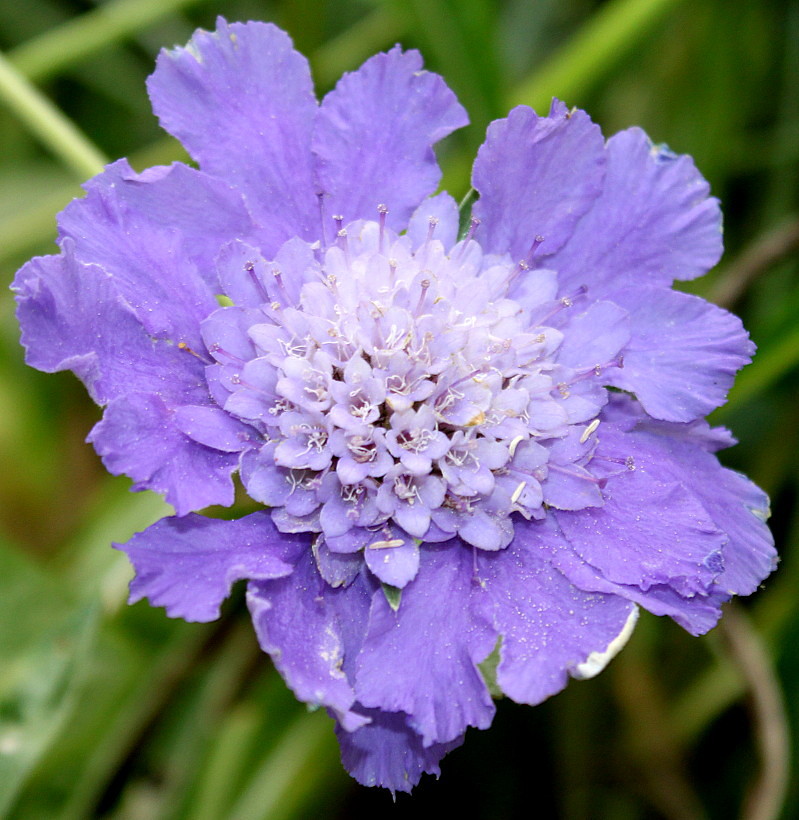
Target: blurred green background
115,711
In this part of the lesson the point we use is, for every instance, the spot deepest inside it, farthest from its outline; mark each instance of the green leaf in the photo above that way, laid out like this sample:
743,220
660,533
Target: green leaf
42,667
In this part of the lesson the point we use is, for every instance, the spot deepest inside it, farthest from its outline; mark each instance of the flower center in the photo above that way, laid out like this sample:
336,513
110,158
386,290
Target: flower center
406,386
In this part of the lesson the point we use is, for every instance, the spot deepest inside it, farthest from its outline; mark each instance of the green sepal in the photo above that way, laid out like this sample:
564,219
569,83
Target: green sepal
488,669
465,211
393,595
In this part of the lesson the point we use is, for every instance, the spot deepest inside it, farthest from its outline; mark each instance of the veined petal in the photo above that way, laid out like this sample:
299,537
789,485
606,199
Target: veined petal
683,354
549,628
73,318
653,222
312,630
536,177
241,100
432,645
649,532
157,234
374,135
138,437
680,452
189,565
389,753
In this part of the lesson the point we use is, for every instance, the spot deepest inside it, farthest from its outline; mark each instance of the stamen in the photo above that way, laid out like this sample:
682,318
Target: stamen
281,285
424,284
468,238
600,482
382,212
215,348
256,280
343,244
184,346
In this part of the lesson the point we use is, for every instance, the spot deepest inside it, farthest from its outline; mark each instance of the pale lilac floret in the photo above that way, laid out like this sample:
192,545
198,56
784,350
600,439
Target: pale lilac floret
492,443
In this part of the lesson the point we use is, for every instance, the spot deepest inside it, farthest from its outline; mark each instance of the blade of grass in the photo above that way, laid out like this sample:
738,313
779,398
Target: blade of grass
55,49
46,122
600,44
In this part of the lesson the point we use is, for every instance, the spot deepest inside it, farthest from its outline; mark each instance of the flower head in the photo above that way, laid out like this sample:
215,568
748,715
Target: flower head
460,445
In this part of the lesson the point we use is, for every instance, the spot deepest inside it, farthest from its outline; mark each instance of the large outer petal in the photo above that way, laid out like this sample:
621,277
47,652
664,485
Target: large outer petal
653,222
73,318
157,234
683,354
679,452
241,100
422,659
374,135
650,531
536,177
312,631
388,753
188,565
549,628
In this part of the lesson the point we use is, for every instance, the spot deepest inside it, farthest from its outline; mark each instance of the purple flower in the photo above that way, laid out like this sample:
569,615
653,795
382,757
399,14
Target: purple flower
465,446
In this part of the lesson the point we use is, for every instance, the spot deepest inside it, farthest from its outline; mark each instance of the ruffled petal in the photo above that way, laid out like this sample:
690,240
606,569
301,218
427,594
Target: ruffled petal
536,177
651,531
697,614
73,318
683,354
549,628
312,630
138,437
654,222
388,753
679,452
156,233
189,565
422,659
242,102
374,135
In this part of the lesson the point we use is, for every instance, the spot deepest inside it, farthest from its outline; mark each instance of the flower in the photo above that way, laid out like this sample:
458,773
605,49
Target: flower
466,450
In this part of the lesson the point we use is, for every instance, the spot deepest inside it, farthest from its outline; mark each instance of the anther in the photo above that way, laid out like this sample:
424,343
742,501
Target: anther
588,431
184,346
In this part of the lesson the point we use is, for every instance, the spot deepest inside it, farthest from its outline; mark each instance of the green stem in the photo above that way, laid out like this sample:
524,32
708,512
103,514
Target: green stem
53,129
598,45
45,55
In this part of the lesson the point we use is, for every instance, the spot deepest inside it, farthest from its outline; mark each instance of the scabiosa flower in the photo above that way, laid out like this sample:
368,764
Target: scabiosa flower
493,443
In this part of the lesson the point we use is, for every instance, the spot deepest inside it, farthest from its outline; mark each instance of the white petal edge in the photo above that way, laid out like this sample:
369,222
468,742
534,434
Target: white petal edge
597,661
